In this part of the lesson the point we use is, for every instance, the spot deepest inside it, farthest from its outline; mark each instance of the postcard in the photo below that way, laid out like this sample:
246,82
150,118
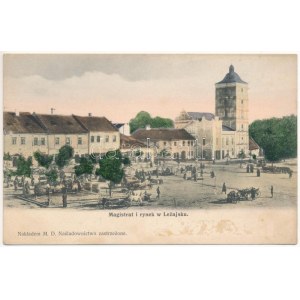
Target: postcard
150,149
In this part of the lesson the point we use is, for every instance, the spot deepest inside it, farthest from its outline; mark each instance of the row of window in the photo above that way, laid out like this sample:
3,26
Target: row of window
183,154
98,139
183,143
42,141
36,141
68,141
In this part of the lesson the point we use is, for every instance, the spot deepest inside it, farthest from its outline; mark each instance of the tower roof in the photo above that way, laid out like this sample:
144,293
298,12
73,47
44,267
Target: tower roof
232,77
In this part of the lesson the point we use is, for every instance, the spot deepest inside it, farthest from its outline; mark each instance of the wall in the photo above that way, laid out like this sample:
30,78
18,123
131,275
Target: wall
78,149
101,146
28,148
208,129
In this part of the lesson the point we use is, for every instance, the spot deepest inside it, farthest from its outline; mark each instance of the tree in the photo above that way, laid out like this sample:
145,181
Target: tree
143,118
24,166
85,166
64,155
43,160
52,175
276,136
7,156
111,168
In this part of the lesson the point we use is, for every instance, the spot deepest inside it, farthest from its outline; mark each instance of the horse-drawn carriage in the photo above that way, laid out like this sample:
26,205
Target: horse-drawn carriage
243,194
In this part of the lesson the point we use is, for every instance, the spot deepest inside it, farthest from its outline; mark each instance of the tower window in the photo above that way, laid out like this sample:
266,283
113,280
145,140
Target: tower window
242,101
242,90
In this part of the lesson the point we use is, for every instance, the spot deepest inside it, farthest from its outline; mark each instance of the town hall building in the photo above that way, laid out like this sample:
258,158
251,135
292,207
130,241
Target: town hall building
224,134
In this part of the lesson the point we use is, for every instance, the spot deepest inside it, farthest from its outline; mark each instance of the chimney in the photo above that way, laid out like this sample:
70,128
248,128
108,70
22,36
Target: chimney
148,127
90,114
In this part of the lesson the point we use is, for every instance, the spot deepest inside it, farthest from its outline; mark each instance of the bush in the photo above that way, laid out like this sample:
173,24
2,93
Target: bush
64,155
52,175
85,166
7,156
43,160
24,166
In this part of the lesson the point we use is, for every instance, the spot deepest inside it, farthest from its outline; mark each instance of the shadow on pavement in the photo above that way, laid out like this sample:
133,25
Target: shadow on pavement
220,201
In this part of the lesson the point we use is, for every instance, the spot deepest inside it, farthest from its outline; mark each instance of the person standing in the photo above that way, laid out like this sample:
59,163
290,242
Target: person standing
27,188
272,191
48,193
64,195
258,172
35,191
224,188
16,183
158,193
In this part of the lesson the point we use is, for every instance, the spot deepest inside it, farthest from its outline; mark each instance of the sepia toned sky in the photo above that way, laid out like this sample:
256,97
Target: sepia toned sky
119,86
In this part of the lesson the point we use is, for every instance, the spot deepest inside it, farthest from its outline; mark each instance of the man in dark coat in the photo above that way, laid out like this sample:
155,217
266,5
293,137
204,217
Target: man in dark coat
224,189
272,191
158,192
64,195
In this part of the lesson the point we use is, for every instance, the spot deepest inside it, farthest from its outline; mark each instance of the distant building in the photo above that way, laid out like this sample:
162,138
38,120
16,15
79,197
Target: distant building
26,133
123,128
23,134
254,148
102,135
134,148
63,130
168,142
225,134
205,128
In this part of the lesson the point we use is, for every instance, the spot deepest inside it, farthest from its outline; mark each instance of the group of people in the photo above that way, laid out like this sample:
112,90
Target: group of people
224,190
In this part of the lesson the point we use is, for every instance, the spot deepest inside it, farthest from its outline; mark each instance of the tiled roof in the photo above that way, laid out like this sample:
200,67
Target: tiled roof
200,115
95,123
59,124
232,77
252,144
162,134
128,142
23,123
